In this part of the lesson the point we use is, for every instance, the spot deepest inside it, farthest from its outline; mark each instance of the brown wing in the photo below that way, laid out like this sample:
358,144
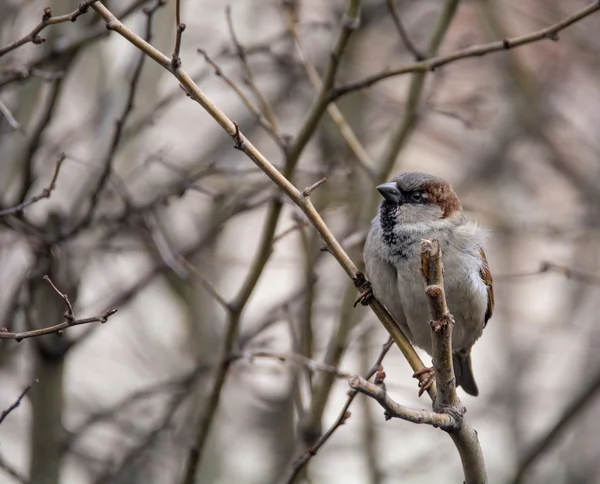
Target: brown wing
486,275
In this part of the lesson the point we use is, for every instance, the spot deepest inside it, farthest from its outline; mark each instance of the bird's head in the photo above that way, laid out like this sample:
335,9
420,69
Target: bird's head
417,198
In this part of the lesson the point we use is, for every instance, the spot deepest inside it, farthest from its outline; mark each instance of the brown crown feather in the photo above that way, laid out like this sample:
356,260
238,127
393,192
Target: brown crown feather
441,194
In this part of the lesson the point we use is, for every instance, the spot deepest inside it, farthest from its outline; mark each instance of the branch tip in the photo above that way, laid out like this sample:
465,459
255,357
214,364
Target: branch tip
308,190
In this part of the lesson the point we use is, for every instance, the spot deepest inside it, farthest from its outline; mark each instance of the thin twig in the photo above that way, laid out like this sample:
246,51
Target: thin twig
406,40
108,160
204,282
308,190
266,108
47,19
550,33
10,119
310,364
401,131
12,472
175,58
180,27
45,193
17,402
363,159
70,314
57,328
340,420
264,122
548,266
60,50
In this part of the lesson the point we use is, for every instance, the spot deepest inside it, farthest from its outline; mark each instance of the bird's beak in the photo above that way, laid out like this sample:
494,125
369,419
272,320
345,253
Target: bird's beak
390,192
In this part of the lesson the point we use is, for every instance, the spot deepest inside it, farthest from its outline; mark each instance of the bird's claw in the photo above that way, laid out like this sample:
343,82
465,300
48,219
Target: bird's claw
428,379
364,296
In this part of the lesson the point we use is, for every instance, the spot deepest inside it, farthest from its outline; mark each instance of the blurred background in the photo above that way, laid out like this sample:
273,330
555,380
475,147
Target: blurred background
235,333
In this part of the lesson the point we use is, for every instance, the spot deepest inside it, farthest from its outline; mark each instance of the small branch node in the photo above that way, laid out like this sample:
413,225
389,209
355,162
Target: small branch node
308,190
83,8
350,23
237,136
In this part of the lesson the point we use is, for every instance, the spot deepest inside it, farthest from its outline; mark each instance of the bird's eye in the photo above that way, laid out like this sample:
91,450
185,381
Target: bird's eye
417,196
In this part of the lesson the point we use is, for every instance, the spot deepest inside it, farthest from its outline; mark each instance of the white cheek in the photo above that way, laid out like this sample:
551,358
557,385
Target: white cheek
412,213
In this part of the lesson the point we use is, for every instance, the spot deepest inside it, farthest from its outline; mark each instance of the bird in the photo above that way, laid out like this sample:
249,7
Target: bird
419,206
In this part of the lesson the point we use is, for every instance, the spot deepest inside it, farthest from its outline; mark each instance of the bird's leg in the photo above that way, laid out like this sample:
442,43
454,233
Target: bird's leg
426,378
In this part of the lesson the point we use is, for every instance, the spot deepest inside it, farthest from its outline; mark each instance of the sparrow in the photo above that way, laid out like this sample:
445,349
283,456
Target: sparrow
419,206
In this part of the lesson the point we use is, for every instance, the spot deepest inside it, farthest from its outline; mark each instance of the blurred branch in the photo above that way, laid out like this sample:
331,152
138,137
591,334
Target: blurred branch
10,119
45,193
310,364
341,419
266,108
16,403
47,19
108,160
363,159
544,443
12,472
34,141
547,266
58,52
406,40
402,130
58,329
432,63
263,121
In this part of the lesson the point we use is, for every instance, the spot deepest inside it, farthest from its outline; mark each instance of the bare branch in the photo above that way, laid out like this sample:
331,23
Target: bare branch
363,159
70,313
340,420
12,472
447,401
442,323
17,402
395,410
549,266
47,19
298,359
59,52
10,119
108,160
264,122
550,33
406,40
46,192
266,108
57,328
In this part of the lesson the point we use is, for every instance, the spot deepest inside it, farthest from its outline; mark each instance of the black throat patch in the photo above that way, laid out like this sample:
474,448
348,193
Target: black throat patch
398,242
387,220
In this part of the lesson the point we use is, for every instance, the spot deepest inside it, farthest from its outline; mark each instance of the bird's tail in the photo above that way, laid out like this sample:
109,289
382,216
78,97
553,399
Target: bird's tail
463,372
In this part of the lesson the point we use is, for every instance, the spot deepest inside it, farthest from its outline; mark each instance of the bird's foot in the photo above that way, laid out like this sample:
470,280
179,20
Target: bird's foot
426,378
364,296
365,288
